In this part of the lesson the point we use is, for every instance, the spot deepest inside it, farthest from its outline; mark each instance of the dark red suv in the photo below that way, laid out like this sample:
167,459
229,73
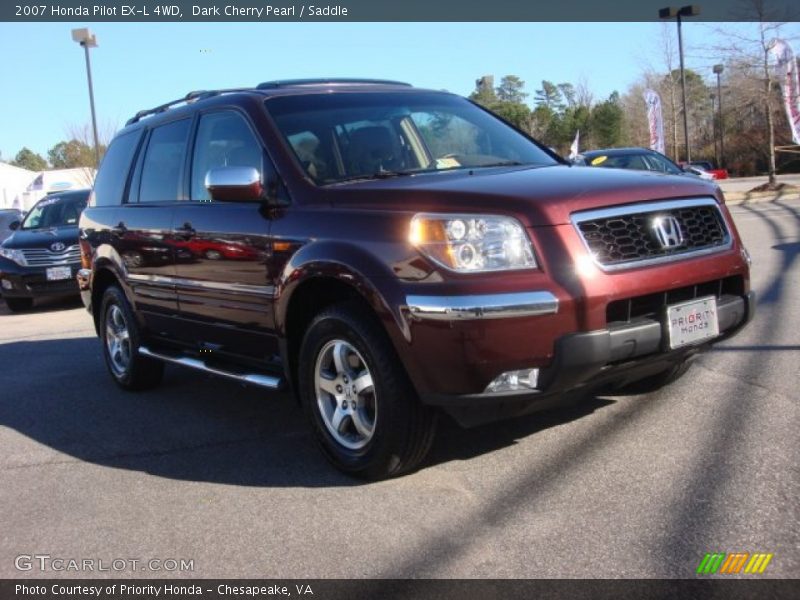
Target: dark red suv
398,252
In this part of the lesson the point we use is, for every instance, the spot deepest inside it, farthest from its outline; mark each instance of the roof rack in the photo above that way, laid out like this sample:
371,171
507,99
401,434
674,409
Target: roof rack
267,85
187,99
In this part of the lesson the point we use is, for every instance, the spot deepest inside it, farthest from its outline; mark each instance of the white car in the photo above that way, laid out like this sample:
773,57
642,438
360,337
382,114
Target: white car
701,173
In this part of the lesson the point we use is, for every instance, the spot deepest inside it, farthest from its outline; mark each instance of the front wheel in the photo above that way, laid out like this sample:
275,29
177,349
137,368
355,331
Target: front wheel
655,382
120,335
364,412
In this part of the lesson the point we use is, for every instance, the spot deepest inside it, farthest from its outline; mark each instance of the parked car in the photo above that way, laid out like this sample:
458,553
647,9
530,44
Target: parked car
42,256
408,253
708,167
641,159
699,171
10,218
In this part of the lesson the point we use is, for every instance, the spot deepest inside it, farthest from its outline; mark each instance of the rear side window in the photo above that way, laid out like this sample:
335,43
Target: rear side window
162,170
626,161
110,182
224,139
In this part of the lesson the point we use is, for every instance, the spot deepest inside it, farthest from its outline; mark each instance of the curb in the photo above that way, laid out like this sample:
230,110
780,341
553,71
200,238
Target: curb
734,198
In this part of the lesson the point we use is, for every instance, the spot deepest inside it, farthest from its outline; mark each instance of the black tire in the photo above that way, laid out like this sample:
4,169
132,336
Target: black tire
19,304
659,380
402,428
138,372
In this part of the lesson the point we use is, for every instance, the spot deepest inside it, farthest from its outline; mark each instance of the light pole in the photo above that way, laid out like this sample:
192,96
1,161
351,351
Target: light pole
669,13
718,69
712,96
88,40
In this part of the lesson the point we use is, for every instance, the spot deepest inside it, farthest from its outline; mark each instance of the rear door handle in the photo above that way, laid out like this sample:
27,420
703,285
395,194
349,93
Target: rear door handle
119,230
186,232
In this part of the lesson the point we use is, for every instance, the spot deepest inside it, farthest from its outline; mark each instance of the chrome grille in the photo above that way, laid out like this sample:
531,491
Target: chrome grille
44,257
624,236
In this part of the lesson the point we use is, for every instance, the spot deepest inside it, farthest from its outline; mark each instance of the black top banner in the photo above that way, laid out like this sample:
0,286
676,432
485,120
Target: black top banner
388,10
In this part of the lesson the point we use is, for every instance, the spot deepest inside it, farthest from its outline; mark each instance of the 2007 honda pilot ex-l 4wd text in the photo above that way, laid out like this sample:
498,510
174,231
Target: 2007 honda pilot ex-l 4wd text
388,253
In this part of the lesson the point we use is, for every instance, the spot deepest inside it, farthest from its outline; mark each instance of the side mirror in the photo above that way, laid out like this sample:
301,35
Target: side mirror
14,225
235,184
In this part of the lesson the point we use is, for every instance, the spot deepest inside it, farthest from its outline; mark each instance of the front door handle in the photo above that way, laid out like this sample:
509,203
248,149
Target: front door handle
186,232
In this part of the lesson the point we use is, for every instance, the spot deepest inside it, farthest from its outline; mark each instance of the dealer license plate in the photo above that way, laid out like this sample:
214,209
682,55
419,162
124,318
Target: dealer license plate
59,273
692,322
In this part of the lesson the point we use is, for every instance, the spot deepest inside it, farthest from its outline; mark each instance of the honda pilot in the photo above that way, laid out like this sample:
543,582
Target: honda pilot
390,254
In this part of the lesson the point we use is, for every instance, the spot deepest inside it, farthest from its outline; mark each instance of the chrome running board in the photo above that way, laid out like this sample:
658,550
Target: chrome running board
265,381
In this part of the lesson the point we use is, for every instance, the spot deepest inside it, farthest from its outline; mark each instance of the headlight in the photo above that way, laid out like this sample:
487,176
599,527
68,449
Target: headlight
472,243
14,255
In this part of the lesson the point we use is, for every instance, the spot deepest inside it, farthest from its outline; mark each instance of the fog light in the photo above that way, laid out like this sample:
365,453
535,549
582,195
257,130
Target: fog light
7,285
513,381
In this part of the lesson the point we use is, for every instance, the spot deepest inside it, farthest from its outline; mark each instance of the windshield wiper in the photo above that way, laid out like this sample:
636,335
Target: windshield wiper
504,163
377,175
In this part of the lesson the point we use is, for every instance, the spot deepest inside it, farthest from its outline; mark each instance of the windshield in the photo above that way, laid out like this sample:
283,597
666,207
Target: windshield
662,164
346,136
55,212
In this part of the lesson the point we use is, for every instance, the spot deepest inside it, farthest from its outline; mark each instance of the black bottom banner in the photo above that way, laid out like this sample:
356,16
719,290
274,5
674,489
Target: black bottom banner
439,589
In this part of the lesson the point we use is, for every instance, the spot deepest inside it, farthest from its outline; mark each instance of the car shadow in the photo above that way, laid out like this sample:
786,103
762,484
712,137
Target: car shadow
194,427
42,305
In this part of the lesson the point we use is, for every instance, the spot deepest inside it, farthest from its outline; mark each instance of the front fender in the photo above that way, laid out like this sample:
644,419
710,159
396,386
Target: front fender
349,264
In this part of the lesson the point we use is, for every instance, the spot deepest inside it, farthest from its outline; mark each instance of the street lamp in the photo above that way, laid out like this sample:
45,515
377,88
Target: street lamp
88,40
670,13
713,96
718,69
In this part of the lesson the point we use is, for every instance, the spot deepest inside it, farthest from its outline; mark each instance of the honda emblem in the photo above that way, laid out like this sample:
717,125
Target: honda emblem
668,232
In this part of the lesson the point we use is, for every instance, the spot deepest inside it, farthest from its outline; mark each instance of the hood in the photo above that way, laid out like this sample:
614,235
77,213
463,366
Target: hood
537,196
42,238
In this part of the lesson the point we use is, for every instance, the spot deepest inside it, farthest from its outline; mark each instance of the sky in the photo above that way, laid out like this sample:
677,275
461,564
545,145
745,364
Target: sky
141,65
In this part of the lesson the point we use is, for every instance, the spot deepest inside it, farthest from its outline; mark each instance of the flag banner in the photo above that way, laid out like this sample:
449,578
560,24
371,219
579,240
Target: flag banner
655,120
573,149
786,66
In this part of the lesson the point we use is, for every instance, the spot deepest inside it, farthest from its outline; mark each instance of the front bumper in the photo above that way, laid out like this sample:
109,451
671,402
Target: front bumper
622,353
17,281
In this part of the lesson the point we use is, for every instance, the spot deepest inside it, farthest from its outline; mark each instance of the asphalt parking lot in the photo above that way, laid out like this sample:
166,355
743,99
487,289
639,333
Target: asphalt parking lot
204,470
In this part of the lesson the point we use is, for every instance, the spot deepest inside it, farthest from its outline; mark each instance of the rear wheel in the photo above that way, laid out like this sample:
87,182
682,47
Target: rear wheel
365,414
19,304
120,335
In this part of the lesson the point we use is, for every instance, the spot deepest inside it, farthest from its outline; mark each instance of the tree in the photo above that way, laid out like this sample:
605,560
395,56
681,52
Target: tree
606,120
511,90
516,113
484,93
506,101
28,159
549,96
749,56
71,154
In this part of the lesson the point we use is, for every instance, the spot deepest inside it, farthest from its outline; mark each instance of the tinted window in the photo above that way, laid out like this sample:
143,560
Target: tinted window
362,135
163,162
223,140
625,161
659,163
58,211
110,182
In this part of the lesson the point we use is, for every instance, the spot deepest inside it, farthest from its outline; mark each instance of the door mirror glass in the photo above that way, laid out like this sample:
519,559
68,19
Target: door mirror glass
234,184
14,225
